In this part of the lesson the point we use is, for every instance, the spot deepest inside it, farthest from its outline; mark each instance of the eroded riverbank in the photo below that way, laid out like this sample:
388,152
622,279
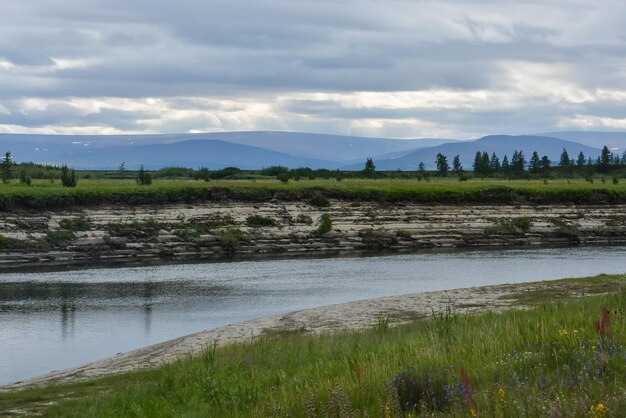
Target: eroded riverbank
218,231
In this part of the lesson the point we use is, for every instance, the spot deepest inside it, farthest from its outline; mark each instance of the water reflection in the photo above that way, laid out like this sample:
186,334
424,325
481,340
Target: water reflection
68,316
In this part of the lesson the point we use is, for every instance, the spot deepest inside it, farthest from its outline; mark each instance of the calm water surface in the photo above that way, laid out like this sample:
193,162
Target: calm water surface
51,321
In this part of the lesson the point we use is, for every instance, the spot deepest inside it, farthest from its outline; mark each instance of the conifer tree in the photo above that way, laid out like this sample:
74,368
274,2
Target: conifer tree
6,168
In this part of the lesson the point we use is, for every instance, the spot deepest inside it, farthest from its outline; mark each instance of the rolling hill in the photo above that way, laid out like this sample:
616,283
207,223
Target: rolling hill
296,148
613,140
212,154
254,150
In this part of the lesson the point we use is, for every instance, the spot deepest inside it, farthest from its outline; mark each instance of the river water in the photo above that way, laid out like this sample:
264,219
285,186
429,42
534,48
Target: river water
54,320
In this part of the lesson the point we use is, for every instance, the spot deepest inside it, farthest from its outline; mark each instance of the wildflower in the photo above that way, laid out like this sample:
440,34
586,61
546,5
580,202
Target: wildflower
502,396
575,333
473,412
598,411
387,411
563,333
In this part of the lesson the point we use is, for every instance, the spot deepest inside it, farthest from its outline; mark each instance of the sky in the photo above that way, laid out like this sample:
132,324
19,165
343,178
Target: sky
393,68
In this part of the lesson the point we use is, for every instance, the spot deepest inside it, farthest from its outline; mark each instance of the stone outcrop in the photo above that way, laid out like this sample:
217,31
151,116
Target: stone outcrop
224,230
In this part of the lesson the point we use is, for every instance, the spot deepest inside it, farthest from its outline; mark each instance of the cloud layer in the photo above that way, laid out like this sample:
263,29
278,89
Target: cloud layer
399,68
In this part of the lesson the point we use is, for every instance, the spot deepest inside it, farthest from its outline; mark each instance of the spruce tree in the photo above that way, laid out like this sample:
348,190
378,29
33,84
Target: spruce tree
6,166
605,160
494,164
478,163
484,163
421,172
442,165
68,177
518,162
456,164
564,162
535,163
505,165
370,168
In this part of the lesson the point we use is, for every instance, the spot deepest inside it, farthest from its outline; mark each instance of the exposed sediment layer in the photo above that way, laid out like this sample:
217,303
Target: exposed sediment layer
144,234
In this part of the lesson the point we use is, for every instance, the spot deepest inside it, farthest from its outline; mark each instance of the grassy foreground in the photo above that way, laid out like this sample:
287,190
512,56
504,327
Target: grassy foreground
45,195
558,359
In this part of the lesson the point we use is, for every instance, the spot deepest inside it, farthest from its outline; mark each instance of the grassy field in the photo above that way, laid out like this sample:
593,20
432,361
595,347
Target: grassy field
43,194
565,358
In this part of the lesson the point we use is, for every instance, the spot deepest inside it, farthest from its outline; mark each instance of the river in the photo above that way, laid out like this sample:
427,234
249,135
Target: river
54,320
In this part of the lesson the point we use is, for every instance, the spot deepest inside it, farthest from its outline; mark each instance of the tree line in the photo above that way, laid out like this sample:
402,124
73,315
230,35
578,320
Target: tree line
486,165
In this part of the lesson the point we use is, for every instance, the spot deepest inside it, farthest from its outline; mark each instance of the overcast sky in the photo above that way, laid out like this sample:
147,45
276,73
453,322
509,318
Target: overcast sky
389,68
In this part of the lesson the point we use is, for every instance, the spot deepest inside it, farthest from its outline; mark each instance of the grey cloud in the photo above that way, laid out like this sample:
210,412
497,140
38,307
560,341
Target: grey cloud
68,115
247,49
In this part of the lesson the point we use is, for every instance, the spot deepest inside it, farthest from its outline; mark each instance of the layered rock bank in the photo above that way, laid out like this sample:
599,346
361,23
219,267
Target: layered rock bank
214,231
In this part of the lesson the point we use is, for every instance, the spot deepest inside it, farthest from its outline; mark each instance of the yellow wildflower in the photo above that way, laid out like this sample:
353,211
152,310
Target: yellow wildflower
598,411
473,412
563,333
575,333
387,411
502,396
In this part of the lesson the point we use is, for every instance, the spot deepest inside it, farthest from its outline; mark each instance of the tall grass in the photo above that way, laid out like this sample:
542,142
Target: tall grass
557,359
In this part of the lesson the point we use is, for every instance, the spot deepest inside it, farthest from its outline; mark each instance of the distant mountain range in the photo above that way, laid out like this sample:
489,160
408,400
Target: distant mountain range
249,150
613,140
254,150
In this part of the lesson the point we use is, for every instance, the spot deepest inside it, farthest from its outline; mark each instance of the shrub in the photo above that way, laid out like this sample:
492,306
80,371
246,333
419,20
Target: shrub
283,177
231,237
76,224
304,219
258,221
615,180
24,178
510,226
68,177
189,231
523,223
274,170
319,201
403,233
55,238
135,229
566,230
4,242
143,177
326,226
424,391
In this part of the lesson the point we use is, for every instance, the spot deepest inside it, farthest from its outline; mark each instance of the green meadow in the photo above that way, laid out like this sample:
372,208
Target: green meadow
43,194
